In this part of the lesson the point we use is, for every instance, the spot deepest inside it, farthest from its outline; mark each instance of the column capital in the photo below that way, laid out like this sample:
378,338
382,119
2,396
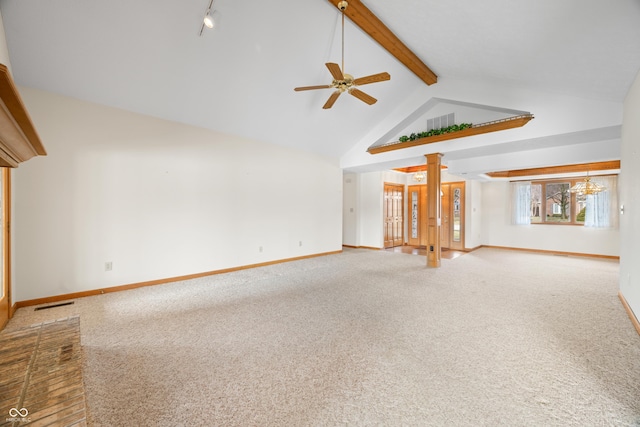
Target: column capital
433,157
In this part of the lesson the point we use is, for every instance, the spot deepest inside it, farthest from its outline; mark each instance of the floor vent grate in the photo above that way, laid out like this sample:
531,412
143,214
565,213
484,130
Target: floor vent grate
54,305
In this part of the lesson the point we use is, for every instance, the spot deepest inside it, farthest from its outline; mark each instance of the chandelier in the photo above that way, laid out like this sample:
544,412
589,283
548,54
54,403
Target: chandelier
587,187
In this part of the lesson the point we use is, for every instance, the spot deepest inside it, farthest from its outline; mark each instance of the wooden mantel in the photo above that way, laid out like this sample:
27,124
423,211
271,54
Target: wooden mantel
19,140
508,123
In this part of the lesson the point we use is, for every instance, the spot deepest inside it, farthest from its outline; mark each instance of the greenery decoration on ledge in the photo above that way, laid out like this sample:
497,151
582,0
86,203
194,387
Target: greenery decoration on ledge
433,132
464,130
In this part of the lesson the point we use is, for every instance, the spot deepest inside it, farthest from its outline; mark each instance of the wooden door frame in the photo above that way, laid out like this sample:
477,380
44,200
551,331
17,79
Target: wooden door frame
5,302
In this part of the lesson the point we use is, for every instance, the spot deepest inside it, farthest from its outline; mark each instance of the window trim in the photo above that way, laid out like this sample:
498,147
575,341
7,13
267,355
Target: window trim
572,181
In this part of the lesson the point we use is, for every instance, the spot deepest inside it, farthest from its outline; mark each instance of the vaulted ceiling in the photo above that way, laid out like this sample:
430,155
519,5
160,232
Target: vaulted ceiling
570,63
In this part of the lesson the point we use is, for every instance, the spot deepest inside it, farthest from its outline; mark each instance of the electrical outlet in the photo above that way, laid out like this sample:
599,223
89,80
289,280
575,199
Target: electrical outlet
108,266
260,249
300,243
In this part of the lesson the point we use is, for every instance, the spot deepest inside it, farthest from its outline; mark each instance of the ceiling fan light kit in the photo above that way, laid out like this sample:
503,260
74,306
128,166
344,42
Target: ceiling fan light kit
343,82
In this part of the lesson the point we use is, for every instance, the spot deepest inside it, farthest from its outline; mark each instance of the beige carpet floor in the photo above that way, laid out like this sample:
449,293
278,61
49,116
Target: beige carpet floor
492,338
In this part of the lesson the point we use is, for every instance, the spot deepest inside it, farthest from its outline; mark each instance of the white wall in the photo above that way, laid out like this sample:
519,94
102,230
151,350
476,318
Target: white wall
158,199
4,52
630,198
497,229
473,215
370,210
350,209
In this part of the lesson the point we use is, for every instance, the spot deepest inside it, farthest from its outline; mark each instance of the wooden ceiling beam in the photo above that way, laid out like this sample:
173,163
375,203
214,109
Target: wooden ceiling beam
370,24
551,170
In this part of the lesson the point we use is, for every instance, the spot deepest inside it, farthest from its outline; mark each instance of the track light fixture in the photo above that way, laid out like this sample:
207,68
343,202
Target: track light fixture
208,18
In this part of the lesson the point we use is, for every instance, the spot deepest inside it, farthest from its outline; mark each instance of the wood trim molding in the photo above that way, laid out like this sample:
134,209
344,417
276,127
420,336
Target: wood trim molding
580,168
549,252
7,247
93,292
19,140
417,168
495,126
632,316
12,310
373,26
362,247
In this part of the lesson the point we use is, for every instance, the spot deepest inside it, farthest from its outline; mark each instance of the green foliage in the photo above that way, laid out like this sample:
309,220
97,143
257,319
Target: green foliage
580,216
433,132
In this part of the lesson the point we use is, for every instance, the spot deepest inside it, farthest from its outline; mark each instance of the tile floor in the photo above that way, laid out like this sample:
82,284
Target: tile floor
41,375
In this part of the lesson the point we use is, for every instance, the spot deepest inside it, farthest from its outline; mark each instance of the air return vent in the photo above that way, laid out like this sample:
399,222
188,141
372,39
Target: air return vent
441,122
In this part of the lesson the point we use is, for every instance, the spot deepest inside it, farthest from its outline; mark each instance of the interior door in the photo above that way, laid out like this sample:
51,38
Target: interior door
398,216
5,210
393,215
388,217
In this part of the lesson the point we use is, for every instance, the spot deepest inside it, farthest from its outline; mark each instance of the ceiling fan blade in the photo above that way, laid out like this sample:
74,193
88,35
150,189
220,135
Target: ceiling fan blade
363,96
380,77
335,71
332,99
298,89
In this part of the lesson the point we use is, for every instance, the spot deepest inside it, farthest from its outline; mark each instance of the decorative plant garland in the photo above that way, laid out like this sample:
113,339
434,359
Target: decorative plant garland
432,132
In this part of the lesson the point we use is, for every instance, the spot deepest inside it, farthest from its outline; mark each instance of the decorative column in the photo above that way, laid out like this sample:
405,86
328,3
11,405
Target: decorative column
433,209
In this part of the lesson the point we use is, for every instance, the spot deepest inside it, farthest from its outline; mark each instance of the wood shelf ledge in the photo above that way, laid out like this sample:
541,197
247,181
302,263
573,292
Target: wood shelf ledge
494,126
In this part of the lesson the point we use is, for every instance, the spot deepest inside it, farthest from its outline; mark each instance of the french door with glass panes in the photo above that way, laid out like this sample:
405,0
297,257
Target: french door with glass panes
452,225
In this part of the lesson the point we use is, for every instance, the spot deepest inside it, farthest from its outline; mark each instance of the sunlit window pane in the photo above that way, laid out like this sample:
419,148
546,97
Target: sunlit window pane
536,202
558,202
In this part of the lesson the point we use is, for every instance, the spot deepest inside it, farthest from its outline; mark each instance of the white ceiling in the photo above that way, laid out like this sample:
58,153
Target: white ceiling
569,62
